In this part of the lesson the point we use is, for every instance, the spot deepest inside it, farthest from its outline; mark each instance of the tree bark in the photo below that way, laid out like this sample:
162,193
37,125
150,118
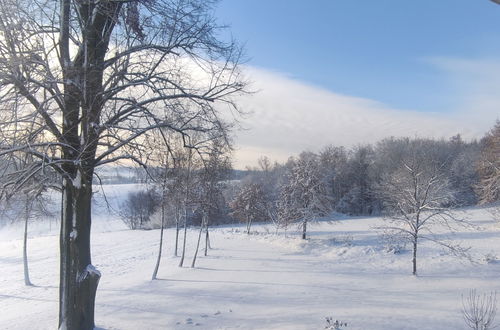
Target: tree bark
25,243
176,232
155,272
78,278
181,262
207,239
198,243
414,260
304,229
249,225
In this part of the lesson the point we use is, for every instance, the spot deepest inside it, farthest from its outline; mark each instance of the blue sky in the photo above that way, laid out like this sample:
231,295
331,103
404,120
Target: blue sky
374,49
348,72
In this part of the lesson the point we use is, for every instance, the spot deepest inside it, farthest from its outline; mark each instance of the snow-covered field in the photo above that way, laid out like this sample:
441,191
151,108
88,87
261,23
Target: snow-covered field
258,281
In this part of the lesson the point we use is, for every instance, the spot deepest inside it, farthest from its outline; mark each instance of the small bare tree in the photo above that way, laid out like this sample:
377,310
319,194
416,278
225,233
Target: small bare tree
479,311
417,198
161,177
304,196
25,200
138,208
27,204
215,167
250,204
187,202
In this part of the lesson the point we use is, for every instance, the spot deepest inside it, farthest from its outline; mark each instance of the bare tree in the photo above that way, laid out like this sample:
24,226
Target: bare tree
95,77
250,204
202,226
417,197
162,176
176,188
304,196
213,167
489,167
27,204
216,167
187,203
138,207
29,201
479,311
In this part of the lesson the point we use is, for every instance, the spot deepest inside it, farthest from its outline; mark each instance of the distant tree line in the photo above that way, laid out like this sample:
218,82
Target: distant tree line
362,180
371,179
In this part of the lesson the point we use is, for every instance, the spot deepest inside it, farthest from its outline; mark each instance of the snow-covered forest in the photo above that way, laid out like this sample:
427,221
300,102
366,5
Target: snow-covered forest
120,207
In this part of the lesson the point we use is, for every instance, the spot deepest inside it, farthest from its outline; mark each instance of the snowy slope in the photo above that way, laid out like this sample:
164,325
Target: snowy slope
261,281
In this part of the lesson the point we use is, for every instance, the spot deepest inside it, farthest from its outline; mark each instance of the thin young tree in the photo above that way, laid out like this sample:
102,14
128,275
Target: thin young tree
187,202
304,195
162,177
215,169
202,226
27,204
479,311
417,199
29,201
250,204
96,76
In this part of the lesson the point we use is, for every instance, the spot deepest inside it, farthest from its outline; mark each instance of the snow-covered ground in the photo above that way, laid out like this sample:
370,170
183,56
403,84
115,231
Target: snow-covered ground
258,281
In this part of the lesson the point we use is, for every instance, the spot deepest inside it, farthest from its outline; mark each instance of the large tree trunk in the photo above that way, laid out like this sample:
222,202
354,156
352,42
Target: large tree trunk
78,278
25,242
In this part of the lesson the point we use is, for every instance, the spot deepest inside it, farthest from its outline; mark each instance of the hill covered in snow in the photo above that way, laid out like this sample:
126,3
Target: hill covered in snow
259,281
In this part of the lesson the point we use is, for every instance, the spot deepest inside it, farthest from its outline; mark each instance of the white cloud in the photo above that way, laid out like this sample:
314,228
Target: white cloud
289,116
475,83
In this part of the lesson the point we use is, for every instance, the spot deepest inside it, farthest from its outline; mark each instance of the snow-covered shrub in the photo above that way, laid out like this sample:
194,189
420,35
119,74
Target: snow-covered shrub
334,324
479,311
393,242
343,240
491,258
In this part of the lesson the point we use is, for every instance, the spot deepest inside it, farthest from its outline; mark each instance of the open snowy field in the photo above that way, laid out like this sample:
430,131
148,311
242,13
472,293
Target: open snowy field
258,281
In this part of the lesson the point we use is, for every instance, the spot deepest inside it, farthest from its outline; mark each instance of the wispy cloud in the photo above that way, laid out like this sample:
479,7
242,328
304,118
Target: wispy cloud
475,84
289,116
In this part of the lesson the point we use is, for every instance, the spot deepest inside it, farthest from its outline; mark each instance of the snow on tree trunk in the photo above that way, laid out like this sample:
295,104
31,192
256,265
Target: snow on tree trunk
155,272
304,229
181,262
78,278
414,260
176,233
25,243
207,238
202,224
249,225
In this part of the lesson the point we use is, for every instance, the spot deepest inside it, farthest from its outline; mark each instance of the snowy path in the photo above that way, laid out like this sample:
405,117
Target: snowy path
256,282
